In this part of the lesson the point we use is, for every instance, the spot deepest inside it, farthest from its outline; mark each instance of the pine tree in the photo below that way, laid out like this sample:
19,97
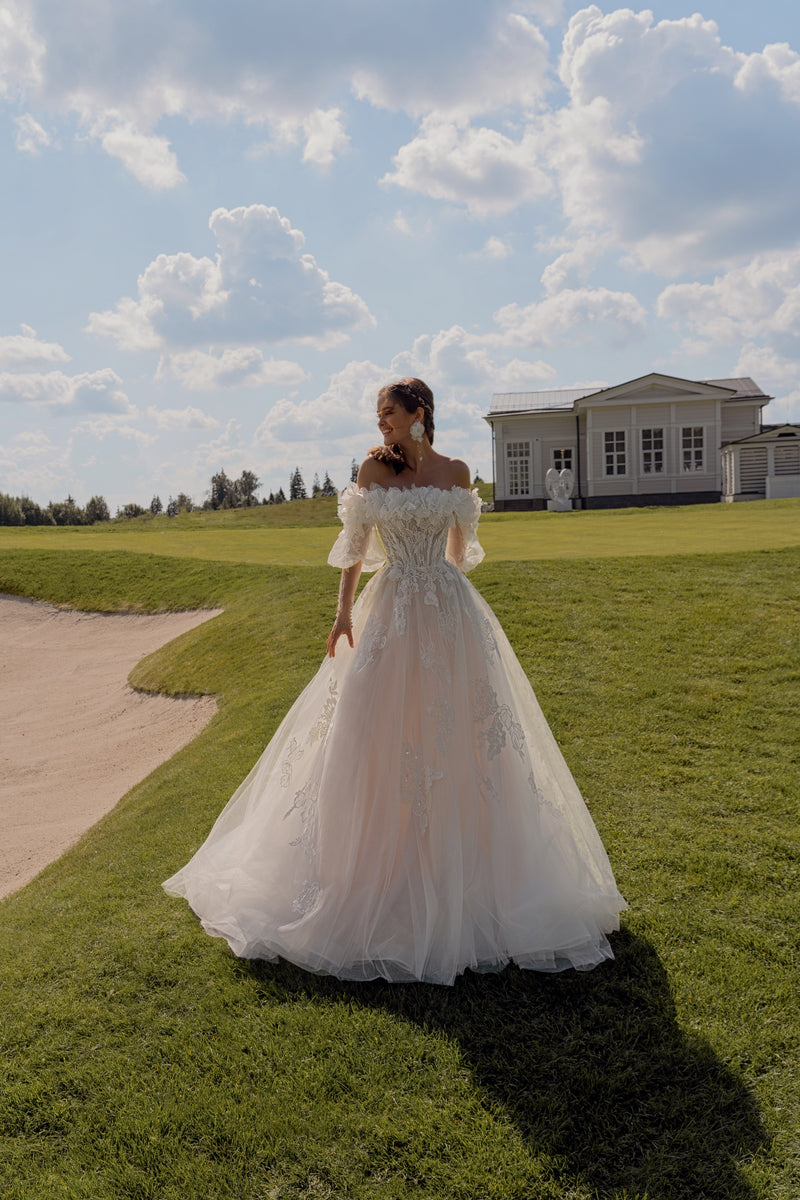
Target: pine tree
328,486
297,489
353,471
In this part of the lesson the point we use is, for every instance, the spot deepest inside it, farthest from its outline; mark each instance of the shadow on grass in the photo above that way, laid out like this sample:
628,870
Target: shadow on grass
592,1068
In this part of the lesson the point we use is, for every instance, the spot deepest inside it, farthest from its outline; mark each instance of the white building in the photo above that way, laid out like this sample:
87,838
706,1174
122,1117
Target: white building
766,465
654,440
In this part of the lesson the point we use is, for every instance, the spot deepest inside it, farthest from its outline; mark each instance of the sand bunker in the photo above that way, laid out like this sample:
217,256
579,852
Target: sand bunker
74,737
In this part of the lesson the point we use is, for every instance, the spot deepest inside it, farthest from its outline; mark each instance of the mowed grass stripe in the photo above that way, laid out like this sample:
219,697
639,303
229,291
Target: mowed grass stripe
262,536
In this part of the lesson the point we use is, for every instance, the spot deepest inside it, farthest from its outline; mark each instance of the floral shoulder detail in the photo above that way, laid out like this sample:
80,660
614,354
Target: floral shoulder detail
358,540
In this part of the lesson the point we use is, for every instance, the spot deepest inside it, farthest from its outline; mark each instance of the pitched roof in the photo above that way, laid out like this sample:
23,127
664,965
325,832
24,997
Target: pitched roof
508,402
743,387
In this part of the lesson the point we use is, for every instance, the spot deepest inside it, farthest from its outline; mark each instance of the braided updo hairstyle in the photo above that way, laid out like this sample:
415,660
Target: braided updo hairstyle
412,394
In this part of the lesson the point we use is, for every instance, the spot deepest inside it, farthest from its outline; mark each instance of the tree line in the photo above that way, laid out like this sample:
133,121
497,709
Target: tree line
224,492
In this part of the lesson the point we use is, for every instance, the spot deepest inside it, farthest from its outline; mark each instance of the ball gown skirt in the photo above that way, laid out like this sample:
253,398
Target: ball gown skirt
412,815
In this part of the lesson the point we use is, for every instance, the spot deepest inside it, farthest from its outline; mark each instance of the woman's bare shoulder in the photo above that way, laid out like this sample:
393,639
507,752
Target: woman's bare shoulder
457,472
372,471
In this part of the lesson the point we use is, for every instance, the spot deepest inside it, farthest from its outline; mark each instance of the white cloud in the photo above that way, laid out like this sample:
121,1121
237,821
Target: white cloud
519,375
237,366
148,158
97,391
776,374
755,311
31,137
463,75
571,311
777,64
33,465
181,418
325,136
402,225
681,150
129,324
22,50
322,131
108,62
481,168
25,349
574,265
463,368
115,425
495,248
343,412
260,288
760,300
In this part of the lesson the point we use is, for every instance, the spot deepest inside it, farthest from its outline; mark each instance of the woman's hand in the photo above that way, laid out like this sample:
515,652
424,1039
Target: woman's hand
342,625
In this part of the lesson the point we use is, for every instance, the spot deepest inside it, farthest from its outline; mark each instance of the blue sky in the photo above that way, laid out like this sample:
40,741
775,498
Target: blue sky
224,225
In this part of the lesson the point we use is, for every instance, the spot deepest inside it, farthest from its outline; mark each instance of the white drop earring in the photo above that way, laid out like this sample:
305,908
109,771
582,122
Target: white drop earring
417,432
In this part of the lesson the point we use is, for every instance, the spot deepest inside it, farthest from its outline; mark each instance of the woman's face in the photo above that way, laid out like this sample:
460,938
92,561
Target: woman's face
394,422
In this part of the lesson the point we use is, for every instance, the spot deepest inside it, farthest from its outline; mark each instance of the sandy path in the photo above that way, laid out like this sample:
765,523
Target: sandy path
74,737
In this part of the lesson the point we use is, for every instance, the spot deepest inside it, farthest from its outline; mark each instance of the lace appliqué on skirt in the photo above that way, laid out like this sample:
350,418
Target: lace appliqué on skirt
498,720
416,783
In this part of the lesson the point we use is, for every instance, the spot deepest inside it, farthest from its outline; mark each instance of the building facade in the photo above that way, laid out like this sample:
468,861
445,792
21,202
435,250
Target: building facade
653,440
766,466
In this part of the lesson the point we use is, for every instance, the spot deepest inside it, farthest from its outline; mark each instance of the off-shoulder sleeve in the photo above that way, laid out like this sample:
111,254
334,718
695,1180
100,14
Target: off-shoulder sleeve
358,541
466,514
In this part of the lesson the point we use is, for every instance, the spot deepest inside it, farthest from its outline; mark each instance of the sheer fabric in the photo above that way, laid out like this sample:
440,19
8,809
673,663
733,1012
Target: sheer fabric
412,816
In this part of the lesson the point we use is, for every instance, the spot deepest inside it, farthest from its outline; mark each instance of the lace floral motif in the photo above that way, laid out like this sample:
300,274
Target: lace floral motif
436,584
433,661
373,640
483,627
307,898
442,713
487,789
320,728
416,783
498,719
305,802
293,753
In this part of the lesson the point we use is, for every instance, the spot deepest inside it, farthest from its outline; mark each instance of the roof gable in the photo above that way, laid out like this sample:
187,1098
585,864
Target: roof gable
655,389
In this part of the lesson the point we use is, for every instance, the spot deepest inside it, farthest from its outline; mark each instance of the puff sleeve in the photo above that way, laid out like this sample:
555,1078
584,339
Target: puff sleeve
465,549
358,540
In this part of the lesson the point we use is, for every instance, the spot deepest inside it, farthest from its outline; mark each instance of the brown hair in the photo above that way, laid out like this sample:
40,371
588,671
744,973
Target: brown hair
412,394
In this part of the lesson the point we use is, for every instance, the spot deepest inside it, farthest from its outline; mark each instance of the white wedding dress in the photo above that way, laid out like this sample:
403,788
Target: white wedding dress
413,815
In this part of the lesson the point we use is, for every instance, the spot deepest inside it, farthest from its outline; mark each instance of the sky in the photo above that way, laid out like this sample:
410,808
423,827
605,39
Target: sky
224,225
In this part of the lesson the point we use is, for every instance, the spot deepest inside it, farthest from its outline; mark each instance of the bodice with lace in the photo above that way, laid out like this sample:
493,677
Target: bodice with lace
413,524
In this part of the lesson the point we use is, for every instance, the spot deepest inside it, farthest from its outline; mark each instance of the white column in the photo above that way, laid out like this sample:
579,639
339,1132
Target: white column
588,475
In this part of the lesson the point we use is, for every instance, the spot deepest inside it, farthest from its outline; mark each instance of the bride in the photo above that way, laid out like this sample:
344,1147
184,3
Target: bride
412,816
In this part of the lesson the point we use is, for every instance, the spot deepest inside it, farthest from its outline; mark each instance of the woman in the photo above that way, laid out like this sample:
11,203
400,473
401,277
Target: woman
413,815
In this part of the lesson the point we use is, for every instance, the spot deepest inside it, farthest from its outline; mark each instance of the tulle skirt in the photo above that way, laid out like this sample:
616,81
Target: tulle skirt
412,816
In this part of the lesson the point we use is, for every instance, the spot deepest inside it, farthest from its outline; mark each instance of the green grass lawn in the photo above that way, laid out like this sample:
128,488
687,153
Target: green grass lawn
141,1060
301,533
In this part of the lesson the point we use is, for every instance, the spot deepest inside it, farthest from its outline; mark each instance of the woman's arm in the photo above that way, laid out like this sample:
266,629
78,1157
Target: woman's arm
343,623
455,534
